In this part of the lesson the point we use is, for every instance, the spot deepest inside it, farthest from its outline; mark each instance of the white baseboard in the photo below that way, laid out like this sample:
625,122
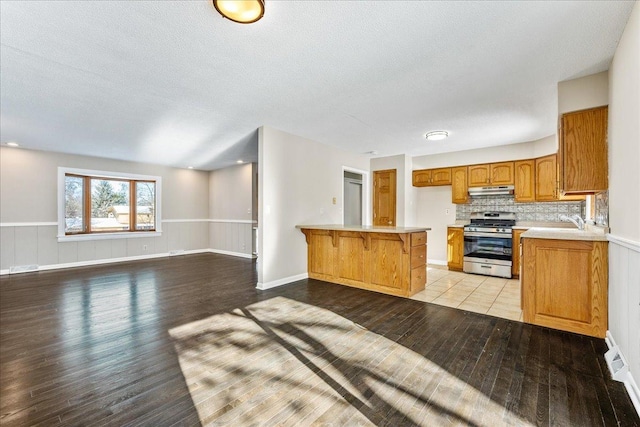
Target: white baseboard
436,262
280,282
124,259
629,382
238,254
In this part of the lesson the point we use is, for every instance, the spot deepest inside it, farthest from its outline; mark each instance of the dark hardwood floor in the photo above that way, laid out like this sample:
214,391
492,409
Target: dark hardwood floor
189,341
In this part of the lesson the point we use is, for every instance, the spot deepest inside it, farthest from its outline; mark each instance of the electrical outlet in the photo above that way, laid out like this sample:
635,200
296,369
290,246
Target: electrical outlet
334,200
446,211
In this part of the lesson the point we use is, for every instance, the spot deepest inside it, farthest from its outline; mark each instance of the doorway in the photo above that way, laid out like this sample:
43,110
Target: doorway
353,192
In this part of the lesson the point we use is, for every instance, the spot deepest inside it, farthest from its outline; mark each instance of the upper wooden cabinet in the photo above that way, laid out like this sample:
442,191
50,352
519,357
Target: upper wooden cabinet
491,174
583,161
431,177
546,178
459,189
525,184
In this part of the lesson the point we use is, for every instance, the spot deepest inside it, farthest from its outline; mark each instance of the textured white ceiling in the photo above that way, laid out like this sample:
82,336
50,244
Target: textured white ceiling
171,82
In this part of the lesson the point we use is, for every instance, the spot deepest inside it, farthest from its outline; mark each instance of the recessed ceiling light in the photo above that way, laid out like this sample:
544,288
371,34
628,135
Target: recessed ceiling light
189,167
373,153
240,161
437,135
13,144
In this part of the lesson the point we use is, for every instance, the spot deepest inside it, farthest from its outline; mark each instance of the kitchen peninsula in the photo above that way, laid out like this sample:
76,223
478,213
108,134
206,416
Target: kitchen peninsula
391,260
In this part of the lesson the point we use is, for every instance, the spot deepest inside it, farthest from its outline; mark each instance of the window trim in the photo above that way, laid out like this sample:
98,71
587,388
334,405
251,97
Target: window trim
63,237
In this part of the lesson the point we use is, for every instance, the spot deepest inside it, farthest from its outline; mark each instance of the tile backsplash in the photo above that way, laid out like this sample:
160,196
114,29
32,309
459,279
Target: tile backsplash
539,211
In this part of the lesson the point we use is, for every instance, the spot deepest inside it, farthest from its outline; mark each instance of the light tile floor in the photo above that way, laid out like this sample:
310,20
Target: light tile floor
482,294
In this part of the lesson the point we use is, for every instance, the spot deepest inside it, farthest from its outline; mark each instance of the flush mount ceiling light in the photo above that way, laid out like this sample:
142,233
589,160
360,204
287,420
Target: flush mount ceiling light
437,135
13,144
240,161
241,11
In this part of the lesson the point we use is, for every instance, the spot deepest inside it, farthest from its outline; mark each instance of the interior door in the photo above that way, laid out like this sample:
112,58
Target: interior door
384,197
352,202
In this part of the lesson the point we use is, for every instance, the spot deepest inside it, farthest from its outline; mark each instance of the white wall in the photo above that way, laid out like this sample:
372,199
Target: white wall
297,182
231,209
624,197
28,211
584,92
524,150
432,204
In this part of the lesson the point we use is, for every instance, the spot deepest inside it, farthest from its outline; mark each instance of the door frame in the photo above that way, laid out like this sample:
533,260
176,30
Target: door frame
366,197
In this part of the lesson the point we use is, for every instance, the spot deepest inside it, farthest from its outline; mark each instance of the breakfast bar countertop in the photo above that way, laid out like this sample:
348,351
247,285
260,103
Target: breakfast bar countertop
364,228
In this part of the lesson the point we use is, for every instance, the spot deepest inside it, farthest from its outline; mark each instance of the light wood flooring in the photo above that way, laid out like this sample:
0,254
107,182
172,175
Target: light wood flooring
188,341
494,296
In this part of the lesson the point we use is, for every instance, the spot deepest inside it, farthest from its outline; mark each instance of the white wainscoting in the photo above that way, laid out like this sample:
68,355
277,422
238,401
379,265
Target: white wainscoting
29,244
624,307
232,236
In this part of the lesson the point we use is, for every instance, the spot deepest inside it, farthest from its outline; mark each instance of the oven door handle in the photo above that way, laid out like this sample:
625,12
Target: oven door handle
492,235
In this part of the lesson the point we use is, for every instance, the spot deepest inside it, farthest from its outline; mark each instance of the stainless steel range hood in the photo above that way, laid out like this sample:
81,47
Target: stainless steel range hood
498,190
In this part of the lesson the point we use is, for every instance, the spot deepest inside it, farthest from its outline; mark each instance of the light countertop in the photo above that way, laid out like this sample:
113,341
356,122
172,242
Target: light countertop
364,228
593,234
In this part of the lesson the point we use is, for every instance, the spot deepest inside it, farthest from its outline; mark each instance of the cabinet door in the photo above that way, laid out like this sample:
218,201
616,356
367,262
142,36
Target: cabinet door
455,248
515,244
459,190
479,175
545,179
441,176
421,178
583,151
564,285
501,173
525,181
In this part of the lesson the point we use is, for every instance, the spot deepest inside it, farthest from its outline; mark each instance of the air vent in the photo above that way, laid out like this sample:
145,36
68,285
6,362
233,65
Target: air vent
617,366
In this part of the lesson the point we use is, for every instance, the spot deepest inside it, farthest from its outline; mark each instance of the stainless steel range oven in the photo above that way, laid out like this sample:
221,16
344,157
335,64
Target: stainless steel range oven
488,247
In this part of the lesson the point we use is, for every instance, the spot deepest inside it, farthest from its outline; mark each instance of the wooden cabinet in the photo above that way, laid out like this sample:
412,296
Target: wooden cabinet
515,246
564,285
431,177
502,173
389,262
491,174
479,175
546,179
459,189
583,161
455,248
525,184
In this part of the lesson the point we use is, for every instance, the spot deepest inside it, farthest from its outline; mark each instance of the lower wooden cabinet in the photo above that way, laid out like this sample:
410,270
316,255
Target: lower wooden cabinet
515,246
564,285
455,248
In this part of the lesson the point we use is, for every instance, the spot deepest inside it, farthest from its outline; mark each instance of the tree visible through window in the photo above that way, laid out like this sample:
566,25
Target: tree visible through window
100,205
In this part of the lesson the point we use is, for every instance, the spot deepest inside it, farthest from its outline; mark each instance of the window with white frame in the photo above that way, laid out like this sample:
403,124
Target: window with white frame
104,203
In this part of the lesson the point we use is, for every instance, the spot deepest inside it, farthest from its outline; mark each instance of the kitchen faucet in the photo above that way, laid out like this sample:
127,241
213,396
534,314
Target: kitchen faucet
576,219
